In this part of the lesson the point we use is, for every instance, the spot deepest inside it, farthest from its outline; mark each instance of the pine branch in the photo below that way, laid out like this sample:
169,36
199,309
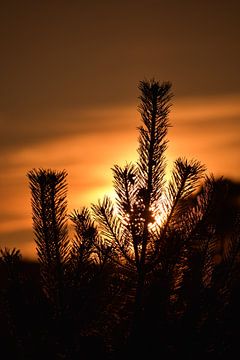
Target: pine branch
83,247
154,108
185,179
125,184
110,228
49,208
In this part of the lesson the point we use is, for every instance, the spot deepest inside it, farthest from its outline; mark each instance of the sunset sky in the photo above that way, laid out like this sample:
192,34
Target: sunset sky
69,74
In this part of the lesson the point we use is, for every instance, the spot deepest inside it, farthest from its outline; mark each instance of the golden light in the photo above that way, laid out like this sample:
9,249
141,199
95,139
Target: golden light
89,156
159,214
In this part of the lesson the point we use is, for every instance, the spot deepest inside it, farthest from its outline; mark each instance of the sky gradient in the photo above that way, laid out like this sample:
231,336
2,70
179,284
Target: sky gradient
68,93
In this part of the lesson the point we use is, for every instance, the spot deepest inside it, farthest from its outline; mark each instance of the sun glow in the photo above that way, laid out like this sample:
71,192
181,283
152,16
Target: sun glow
90,177
159,214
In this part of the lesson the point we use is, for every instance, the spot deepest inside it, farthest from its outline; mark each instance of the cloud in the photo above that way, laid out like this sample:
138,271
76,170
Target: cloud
208,128
86,155
88,143
206,109
58,55
17,132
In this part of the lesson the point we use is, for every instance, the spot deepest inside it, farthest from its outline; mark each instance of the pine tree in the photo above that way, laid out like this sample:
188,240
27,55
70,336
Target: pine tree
136,240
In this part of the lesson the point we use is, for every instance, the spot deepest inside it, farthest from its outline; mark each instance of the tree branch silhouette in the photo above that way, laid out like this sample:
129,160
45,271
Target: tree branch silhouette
49,207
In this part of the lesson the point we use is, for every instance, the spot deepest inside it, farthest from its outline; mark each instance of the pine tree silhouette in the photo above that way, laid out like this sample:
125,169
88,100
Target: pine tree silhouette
159,265
134,237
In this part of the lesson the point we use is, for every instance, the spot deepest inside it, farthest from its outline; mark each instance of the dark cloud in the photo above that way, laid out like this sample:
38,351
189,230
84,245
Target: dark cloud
57,54
233,145
217,123
9,216
17,132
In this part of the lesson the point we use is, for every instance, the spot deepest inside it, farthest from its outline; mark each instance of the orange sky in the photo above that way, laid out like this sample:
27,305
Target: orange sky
68,100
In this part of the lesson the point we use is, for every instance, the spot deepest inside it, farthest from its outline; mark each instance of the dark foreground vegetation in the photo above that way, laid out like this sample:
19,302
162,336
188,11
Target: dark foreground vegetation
155,275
